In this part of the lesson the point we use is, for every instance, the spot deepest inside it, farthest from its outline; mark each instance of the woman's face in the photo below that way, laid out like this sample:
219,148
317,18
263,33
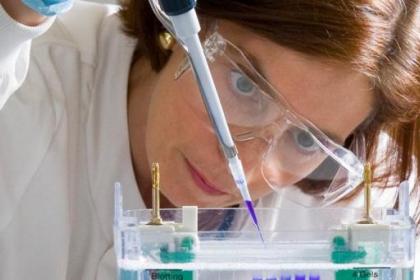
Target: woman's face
178,133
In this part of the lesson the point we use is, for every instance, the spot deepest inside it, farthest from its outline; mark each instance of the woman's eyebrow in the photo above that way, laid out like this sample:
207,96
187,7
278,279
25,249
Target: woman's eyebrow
256,63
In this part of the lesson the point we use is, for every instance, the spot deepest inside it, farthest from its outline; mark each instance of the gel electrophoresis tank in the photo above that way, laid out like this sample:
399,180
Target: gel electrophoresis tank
223,244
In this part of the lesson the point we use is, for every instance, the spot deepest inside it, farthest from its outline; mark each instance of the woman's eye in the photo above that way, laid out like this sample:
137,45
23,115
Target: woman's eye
304,141
241,84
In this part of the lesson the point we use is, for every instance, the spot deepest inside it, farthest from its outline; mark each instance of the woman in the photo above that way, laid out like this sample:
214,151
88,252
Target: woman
95,106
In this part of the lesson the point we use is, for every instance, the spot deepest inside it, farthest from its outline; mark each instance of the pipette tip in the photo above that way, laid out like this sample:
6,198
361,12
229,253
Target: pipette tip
251,211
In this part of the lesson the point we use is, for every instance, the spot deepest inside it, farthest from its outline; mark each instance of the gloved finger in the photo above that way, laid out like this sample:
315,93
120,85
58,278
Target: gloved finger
49,7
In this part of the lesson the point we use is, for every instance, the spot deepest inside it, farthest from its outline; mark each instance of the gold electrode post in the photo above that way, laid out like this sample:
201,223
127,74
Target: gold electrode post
367,176
156,219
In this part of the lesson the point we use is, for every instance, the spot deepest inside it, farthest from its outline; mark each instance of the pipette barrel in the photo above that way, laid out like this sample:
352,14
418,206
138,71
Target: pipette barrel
186,27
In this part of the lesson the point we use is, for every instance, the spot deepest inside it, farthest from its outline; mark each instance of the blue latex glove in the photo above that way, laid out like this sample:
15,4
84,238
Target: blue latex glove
49,7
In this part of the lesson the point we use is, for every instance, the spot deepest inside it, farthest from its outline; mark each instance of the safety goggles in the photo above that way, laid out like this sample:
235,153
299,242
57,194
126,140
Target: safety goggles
286,148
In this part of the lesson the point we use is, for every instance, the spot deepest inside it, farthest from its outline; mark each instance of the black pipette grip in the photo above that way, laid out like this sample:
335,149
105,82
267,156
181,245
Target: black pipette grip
176,7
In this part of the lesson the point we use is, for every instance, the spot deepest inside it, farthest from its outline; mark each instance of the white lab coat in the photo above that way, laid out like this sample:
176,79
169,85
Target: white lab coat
63,144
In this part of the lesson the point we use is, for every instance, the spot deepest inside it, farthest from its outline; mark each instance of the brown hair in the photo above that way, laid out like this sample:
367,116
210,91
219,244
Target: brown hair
379,38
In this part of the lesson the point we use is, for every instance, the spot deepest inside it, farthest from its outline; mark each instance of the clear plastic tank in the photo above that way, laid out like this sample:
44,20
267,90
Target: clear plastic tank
223,244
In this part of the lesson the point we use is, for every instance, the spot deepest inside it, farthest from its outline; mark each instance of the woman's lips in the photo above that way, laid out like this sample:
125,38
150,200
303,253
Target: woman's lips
202,183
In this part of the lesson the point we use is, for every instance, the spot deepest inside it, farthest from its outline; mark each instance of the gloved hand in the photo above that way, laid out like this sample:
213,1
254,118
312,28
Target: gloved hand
49,7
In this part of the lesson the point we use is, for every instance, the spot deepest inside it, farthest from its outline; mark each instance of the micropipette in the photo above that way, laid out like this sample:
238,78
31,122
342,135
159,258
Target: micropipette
181,19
